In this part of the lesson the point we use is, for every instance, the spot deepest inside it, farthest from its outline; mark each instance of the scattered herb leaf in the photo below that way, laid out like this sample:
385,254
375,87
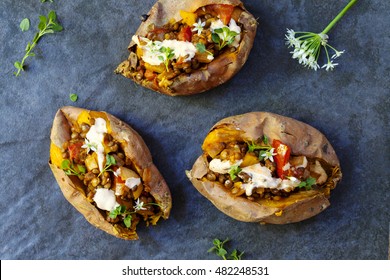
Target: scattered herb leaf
223,36
202,48
253,146
70,169
73,97
25,24
166,55
110,160
44,1
220,251
47,25
126,214
307,184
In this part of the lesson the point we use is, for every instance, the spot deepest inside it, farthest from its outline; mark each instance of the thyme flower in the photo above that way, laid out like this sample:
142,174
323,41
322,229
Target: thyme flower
269,154
139,205
198,26
307,45
89,146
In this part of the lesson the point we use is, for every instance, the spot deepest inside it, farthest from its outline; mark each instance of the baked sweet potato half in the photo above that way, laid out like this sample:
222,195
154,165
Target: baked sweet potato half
186,47
263,167
105,170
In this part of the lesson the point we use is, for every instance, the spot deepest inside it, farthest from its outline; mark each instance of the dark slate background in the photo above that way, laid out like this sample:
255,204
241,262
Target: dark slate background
349,105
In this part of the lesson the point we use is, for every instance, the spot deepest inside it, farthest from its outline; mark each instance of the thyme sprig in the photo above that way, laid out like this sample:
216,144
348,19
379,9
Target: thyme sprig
71,169
47,25
110,161
127,214
223,36
220,251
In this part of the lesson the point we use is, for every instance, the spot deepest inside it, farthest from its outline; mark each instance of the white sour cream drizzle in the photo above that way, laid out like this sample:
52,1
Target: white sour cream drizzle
151,51
105,199
222,166
95,137
260,176
131,183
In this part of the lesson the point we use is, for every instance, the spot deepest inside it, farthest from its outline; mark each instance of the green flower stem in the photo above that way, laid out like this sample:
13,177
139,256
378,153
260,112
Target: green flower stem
338,17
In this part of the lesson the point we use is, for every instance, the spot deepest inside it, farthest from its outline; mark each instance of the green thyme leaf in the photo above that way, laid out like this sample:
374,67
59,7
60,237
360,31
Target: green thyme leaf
65,164
117,211
73,97
110,160
201,47
307,184
215,37
235,255
25,24
127,221
233,171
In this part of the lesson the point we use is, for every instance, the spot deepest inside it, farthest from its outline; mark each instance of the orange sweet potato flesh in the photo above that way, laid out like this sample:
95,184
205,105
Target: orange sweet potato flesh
303,140
135,150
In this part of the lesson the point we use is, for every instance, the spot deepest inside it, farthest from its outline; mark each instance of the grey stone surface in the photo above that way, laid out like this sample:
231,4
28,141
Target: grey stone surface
350,106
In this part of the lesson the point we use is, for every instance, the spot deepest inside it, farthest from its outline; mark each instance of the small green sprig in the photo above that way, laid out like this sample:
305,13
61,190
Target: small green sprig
71,169
223,36
265,149
166,55
220,251
121,211
126,214
44,1
47,25
110,161
252,146
307,184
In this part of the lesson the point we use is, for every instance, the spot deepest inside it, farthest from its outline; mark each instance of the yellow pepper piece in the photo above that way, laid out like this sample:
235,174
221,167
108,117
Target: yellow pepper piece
86,116
249,160
55,155
188,17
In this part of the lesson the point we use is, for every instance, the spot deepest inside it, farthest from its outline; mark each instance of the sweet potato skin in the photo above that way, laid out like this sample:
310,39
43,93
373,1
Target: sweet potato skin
303,140
135,149
219,71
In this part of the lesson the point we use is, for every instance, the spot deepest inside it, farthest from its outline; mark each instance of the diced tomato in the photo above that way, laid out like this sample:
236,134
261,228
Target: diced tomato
185,34
224,11
282,157
150,75
74,150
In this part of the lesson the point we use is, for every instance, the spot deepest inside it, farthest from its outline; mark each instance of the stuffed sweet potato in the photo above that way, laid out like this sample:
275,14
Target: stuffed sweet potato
189,46
105,170
263,167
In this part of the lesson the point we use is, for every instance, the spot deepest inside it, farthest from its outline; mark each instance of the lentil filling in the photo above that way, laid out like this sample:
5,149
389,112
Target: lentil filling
131,200
262,170
159,57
